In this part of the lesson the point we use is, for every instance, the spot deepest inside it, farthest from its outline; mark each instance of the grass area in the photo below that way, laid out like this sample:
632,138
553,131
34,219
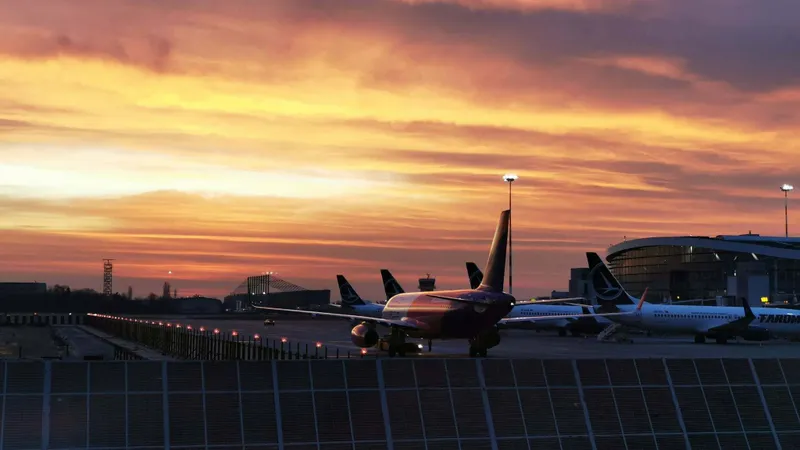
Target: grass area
35,343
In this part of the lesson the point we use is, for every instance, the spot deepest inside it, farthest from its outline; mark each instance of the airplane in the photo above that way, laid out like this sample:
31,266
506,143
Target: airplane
353,302
562,317
390,285
470,314
720,323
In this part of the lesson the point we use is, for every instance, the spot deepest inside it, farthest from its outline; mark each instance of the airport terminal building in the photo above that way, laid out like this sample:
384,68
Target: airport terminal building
761,269
270,290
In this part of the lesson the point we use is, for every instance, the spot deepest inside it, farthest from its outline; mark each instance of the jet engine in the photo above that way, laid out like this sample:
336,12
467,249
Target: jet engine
756,334
364,336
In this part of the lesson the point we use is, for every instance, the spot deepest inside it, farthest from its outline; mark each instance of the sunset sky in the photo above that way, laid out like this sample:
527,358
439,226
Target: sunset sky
220,139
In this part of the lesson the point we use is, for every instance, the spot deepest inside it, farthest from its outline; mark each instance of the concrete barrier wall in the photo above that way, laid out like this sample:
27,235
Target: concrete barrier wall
401,404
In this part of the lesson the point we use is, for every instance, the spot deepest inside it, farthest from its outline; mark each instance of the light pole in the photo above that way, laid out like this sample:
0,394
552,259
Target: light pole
510,178
268,274
786,188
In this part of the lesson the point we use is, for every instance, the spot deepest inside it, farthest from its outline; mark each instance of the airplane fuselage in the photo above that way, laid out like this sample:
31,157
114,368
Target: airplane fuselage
697,319
446,319
367,309
555,311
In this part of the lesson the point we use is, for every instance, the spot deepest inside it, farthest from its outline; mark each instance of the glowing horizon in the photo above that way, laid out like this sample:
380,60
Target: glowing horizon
314,138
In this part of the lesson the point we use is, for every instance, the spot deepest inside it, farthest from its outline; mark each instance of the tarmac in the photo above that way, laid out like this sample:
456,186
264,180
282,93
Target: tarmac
335,334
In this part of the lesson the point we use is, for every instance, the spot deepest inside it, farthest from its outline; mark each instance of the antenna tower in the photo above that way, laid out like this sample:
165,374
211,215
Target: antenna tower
108,269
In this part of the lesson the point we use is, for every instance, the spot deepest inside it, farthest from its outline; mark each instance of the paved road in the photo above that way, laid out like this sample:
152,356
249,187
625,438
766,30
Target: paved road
515,343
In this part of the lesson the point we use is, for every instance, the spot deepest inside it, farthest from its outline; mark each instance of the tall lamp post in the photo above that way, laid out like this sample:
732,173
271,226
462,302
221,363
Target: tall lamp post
510,178
786,188
268,275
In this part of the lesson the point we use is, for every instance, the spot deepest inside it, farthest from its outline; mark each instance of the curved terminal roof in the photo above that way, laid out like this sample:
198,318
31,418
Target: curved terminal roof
777,247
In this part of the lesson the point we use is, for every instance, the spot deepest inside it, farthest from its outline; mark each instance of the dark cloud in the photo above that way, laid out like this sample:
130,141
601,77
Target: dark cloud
753,47
757,54
151,52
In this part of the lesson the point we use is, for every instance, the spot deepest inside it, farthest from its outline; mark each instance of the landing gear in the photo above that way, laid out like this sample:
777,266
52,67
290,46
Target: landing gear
562,332
721,340
397,343
699,339
575,333
430,345
394,351
480,344
476,351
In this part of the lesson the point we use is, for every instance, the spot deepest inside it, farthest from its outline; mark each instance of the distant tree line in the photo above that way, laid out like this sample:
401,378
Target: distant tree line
60,298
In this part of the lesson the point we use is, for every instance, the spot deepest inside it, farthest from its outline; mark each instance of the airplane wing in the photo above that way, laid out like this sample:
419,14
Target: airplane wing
378,320
532,302
737,325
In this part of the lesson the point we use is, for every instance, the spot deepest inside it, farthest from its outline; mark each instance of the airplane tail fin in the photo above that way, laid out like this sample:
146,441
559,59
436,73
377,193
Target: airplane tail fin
349,295
495,270
604,284
475,275
390,285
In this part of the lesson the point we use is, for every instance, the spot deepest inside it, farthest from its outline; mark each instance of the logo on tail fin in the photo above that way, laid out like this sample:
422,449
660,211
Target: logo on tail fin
604,289
349,295
475,275
605,286
390,285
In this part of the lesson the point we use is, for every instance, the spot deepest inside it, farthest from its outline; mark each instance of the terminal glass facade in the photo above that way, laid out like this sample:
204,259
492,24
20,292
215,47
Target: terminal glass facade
690,272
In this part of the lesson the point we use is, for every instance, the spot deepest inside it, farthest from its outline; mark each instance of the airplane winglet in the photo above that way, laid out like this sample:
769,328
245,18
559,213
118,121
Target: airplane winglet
748,311
641,300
